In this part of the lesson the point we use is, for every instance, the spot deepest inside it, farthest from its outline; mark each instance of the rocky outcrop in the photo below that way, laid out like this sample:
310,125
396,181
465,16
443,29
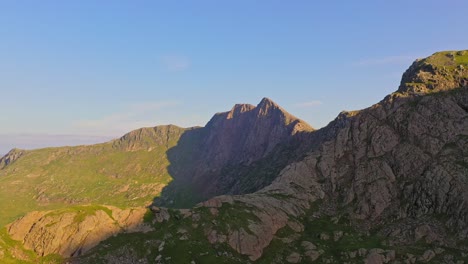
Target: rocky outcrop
72,232
442,71
11,157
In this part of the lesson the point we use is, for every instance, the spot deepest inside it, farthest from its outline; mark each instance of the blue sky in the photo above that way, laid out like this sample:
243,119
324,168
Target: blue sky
75,72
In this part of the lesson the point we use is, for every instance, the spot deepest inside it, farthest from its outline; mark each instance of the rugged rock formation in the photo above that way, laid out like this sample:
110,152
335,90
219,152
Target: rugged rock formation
72,232
11,157
248,133
220,157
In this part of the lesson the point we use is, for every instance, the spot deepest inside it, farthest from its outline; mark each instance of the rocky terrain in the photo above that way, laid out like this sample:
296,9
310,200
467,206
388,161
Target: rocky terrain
386,184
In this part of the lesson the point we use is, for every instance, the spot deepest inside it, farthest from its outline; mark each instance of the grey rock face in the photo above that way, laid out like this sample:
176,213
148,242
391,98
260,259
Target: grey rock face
11,157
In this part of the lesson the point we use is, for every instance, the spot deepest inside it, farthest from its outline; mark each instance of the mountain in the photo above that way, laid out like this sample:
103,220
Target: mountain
386,184
226,156
178,166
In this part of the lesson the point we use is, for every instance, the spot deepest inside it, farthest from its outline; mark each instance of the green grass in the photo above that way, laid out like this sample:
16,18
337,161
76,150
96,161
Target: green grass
448,59
81,211
234,217
351,240
110,173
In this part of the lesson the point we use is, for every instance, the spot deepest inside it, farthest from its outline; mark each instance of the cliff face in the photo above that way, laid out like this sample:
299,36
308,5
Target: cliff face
248,133
240,137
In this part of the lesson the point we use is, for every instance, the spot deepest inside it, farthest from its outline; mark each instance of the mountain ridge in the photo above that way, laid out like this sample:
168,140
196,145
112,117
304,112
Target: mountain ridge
386,184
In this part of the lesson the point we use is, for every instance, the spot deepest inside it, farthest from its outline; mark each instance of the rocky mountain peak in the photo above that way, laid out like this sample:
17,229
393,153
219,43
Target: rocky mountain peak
239,109
241,136
267,103
441,71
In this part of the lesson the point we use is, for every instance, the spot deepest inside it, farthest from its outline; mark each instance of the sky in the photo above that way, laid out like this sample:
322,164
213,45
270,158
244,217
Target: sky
78,72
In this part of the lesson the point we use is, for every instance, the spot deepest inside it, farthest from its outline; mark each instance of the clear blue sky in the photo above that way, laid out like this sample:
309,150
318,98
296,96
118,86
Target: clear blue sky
93,70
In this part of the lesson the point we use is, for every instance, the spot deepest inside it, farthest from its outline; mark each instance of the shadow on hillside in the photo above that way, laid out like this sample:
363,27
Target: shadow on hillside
183,159
195,181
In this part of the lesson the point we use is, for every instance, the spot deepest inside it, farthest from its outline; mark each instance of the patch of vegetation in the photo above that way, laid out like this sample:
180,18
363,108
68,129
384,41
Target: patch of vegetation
449,59
180,240
234,217
82,211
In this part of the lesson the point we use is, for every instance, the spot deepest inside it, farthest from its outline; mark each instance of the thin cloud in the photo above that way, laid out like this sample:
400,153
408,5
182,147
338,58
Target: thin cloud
175,62
132,117
309,104
385,60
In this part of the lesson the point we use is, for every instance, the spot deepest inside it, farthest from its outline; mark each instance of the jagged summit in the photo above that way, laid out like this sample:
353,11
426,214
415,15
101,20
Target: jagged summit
265,109
267,103
441,71
239,109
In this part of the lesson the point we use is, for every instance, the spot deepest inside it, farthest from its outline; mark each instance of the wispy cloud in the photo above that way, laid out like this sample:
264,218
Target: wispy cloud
402,59
308,104
175,62
133,116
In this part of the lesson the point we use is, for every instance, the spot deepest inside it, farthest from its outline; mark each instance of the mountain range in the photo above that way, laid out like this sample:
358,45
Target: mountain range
386,184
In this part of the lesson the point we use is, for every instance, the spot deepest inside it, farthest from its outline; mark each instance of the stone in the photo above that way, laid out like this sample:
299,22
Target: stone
324,236
294,258
374,258
337,235
427,256
307,246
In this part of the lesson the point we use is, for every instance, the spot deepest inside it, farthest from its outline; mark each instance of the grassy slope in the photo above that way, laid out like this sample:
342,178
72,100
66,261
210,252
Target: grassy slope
108,173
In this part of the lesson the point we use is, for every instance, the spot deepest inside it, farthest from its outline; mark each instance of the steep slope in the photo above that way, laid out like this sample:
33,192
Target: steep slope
385,184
